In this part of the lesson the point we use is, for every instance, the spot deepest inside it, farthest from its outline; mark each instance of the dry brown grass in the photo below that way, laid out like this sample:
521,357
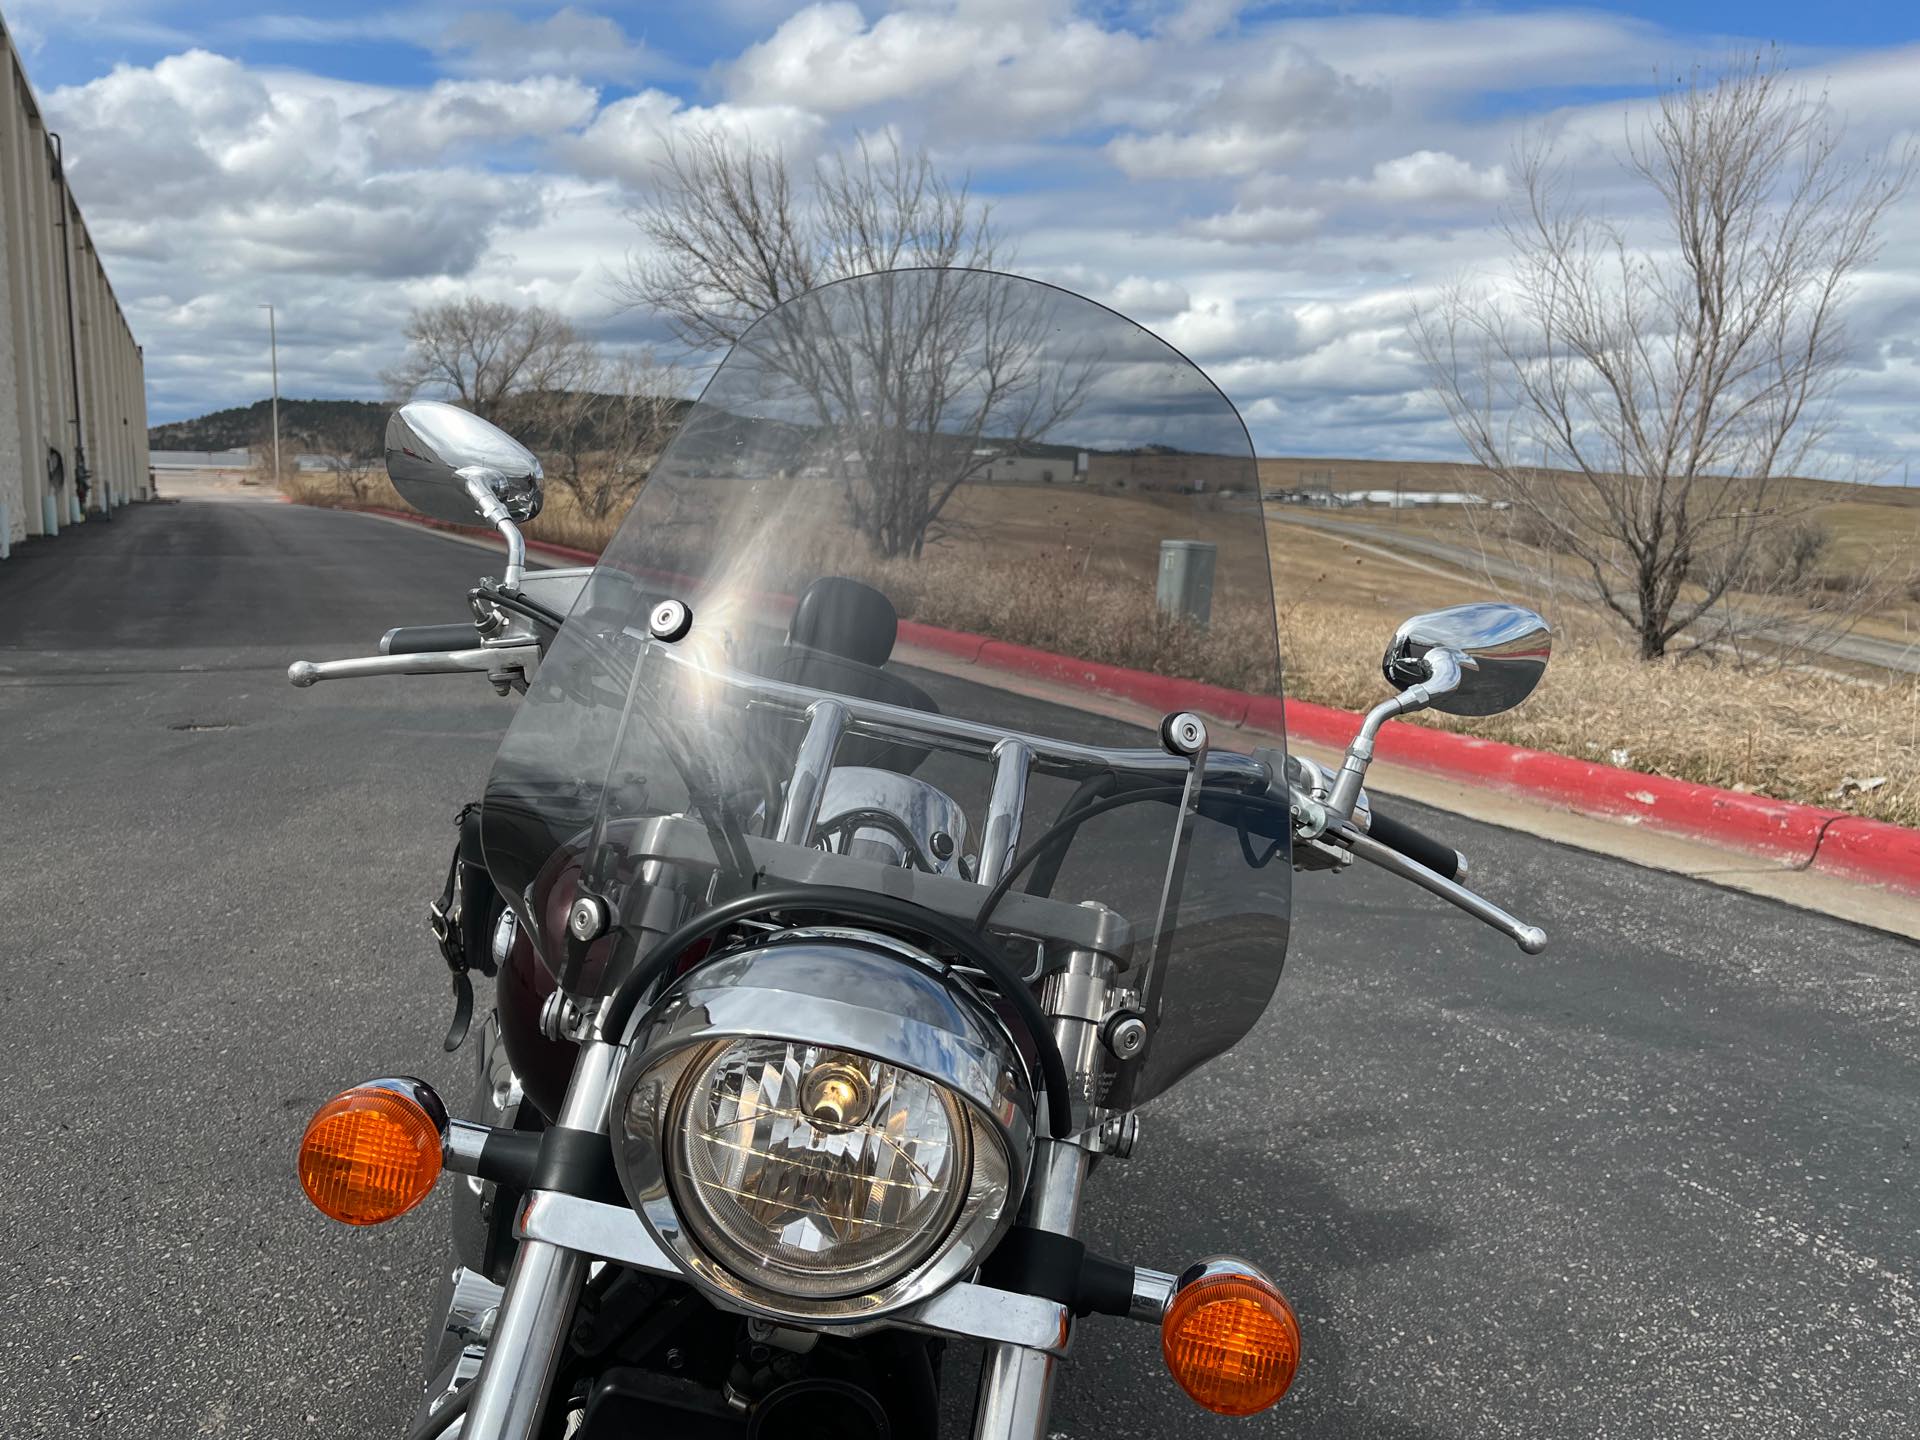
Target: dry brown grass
1790,735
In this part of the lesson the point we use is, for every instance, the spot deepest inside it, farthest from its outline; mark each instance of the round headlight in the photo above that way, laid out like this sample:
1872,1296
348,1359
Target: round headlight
818,1172
820,1129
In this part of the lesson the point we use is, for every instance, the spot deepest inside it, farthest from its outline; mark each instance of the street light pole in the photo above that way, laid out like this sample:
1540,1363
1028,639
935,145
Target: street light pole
273,342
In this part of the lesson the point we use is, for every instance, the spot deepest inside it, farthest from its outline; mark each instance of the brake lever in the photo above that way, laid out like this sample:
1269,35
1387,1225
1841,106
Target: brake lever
1530,938
501,662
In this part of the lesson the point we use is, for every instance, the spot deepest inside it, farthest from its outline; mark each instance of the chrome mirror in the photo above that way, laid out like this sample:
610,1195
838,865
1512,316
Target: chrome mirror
1501,651
452,465
1466,660
443,460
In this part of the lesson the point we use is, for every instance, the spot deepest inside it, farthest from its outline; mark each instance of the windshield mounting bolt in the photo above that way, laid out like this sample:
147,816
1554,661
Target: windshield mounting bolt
587,918
1119,1134
941,844
669,621
1125,1034
560,1017
1183,733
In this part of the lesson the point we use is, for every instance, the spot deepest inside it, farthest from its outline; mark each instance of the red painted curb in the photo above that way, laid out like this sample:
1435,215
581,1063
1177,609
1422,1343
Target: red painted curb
1831,841
955,643
481,532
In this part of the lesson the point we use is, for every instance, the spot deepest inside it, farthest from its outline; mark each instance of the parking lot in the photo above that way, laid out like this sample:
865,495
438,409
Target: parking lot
1656,1182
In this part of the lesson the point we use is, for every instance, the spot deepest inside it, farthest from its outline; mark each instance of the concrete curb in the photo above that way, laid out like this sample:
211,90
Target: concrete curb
1831,841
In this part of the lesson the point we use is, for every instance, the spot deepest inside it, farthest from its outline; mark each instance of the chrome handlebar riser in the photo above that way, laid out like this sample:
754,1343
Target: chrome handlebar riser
480,486
1444,669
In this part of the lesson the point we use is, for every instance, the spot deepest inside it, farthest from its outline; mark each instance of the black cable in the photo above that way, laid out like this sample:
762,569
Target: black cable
848,821
436,1424
1047,869
1063,827
521,605
887,909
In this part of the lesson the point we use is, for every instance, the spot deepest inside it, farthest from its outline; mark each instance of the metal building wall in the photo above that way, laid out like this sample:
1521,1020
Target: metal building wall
46,343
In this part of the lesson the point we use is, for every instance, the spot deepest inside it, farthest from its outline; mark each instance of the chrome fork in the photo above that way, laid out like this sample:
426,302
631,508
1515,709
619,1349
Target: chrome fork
1016,1384
543,1287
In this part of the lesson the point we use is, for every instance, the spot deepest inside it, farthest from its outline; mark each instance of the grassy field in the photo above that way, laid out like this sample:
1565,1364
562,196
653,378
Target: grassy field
1073,571
1870,529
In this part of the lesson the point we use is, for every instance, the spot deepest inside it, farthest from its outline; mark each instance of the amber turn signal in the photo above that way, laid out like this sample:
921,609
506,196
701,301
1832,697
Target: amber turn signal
373,1152
1230,1338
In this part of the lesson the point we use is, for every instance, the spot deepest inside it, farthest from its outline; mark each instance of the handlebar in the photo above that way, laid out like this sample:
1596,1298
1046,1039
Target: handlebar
417,639
1530,938
1443,860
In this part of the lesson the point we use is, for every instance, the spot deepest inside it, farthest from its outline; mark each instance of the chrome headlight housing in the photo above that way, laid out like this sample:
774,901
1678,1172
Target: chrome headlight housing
827,1126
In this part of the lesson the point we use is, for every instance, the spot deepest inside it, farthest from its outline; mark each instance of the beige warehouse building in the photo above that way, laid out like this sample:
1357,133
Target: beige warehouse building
73,396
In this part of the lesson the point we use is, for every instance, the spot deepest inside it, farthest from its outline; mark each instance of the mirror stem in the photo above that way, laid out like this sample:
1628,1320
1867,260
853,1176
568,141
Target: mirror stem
496,515
1443,675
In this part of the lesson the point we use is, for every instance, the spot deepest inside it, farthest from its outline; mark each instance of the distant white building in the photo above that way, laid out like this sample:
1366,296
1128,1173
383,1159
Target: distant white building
200,459
1031,469
1408,499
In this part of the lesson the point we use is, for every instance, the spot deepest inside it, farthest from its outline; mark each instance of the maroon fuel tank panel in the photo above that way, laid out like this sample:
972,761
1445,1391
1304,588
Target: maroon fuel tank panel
520,993
544,1066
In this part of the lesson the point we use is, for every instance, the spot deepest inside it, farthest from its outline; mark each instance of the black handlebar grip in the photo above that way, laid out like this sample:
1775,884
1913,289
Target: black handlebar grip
1443,860
416,639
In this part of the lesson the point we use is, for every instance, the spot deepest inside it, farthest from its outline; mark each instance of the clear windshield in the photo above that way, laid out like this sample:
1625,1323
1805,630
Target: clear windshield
895,499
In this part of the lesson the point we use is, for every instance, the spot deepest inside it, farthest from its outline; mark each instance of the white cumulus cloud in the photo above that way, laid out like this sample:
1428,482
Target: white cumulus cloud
1433,175
1264,225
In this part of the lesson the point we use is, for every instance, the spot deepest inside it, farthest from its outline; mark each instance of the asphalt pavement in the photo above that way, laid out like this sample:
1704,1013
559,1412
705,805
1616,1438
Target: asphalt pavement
1656,1182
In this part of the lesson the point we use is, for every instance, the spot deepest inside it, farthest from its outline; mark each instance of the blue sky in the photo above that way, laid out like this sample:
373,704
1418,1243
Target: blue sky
1272,187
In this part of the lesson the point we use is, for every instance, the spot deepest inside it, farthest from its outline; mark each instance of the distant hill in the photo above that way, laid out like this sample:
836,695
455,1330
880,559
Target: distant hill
359,427
347,425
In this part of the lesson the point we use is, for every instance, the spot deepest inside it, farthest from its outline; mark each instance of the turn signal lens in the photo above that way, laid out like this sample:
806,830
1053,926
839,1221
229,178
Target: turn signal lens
371,1153
1231,1339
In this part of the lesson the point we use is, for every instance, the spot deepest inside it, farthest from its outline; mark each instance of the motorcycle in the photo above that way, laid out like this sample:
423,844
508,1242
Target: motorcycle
829,955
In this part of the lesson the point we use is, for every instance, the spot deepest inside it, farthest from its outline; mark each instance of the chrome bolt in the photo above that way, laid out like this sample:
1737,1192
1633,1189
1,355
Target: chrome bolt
558,1016
1119,1134
1184,733
587,919
670,620
1126,1035
941,843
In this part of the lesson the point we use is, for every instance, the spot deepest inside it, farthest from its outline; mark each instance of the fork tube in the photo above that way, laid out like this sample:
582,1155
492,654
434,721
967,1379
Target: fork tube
1016,1384
530,1332
826,720
1005,806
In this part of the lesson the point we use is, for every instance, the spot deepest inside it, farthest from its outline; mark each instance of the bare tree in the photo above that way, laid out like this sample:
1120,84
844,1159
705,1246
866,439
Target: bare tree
733,231
352,471
1642,407
481,352
600,438
945,375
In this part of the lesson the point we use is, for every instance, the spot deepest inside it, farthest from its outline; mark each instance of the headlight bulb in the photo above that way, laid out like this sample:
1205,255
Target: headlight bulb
836,1095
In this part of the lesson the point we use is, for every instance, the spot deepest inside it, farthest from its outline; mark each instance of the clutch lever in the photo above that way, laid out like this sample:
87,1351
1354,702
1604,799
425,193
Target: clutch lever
1530,938
504,664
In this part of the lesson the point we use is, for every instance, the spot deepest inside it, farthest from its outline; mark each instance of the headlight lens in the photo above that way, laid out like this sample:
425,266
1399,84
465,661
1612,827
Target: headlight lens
819,1172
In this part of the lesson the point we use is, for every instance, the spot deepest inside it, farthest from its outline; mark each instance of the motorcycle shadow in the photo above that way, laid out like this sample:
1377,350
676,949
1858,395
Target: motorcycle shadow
1193,1191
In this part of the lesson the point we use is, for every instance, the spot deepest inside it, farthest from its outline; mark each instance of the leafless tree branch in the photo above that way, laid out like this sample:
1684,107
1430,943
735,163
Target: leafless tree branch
1645,409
